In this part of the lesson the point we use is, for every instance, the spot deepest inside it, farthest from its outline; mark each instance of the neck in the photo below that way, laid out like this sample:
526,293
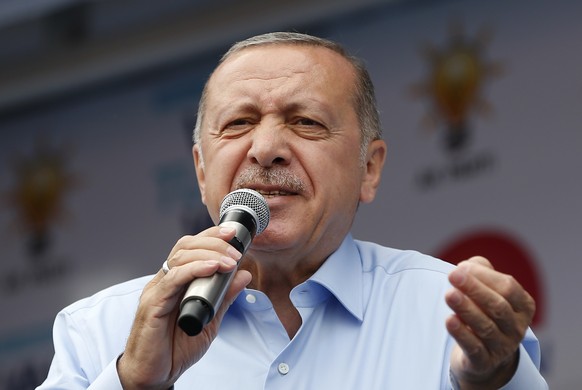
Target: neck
276,277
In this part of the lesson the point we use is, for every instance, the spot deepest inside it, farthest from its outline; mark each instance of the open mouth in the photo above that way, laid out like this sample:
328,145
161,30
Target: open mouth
273,193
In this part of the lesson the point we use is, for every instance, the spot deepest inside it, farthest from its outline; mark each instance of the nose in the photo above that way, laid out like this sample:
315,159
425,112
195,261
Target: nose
270,145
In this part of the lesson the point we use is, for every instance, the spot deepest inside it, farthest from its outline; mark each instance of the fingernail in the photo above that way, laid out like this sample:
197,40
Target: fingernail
228,261
454,323
226,230
455,298
233,253
211,263
458,276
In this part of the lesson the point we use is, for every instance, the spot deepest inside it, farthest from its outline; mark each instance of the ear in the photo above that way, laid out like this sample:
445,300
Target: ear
199,172
373,170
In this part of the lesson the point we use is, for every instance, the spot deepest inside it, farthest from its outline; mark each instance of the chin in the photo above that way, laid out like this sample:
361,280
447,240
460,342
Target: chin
270,241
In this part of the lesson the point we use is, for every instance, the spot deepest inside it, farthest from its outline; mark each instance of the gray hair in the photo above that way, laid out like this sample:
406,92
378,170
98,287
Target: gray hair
364,97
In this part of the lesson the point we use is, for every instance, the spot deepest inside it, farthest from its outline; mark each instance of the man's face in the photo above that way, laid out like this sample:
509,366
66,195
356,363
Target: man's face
280,119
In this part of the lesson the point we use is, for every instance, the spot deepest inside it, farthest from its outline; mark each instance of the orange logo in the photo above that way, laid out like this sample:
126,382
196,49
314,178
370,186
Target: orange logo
454,84
38,193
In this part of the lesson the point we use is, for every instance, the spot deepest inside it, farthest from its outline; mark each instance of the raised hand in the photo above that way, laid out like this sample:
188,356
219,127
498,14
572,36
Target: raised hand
492,312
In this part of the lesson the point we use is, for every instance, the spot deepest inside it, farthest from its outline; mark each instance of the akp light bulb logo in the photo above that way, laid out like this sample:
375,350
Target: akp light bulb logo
454,85
37,195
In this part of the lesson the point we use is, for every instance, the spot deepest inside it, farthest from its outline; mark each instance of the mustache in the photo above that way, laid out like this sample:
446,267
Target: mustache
274,176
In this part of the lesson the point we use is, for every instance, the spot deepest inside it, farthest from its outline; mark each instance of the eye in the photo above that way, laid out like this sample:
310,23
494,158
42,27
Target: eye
236,128
307,122
309,128
238,122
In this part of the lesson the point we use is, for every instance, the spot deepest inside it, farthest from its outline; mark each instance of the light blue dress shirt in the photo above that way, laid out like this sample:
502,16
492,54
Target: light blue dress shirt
373,318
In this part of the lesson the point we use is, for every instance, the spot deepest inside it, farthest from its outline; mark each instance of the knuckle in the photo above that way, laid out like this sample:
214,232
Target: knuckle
474,353
499,308
177,255
507,285
530,305
175,258
488,330
182,241
481,260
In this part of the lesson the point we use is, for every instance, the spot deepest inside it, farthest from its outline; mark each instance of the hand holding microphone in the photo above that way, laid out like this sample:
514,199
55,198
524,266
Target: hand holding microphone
247,212
155,352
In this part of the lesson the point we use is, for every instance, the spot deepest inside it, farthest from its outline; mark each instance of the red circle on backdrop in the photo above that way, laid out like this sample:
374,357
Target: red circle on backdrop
506,254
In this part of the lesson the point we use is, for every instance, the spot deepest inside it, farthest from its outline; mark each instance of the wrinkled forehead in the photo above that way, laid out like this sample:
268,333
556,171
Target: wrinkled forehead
280,61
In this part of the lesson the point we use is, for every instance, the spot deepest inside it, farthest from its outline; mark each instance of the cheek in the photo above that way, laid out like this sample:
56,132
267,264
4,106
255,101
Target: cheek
339,169
342,180
220,168
223,160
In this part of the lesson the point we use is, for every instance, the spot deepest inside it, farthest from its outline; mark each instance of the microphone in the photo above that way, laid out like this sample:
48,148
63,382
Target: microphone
247,212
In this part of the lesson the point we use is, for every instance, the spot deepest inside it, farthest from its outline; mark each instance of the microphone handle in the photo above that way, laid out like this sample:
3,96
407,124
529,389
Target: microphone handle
205,295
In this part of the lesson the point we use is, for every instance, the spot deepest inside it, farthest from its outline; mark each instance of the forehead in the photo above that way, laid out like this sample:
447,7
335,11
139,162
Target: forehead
280,64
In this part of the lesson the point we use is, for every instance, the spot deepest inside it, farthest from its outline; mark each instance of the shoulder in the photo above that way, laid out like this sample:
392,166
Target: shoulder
90,333
118,297
394,261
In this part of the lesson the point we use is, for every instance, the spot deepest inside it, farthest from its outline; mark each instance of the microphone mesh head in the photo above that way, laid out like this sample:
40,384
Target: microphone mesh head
251,199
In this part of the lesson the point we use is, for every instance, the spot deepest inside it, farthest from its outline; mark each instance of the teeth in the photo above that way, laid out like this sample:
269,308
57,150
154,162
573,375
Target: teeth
273,193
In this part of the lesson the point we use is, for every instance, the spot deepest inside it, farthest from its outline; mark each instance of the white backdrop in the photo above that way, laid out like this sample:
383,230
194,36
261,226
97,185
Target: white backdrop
123,170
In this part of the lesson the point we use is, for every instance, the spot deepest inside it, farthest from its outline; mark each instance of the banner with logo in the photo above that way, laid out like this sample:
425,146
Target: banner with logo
94,192
480,104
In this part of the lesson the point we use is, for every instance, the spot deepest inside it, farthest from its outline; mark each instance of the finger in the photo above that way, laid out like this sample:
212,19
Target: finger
481,323
184,274
506,285
227,261
205,247
472,347
468,276
480,260
481,307
164,291
215,238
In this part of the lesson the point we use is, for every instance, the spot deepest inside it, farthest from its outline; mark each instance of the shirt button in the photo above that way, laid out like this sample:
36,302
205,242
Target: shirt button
251,298
283,368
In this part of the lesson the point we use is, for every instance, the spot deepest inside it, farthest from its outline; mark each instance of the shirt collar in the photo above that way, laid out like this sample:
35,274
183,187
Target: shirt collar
341,274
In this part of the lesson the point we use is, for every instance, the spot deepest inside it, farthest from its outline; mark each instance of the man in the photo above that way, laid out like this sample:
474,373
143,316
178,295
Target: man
293,117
